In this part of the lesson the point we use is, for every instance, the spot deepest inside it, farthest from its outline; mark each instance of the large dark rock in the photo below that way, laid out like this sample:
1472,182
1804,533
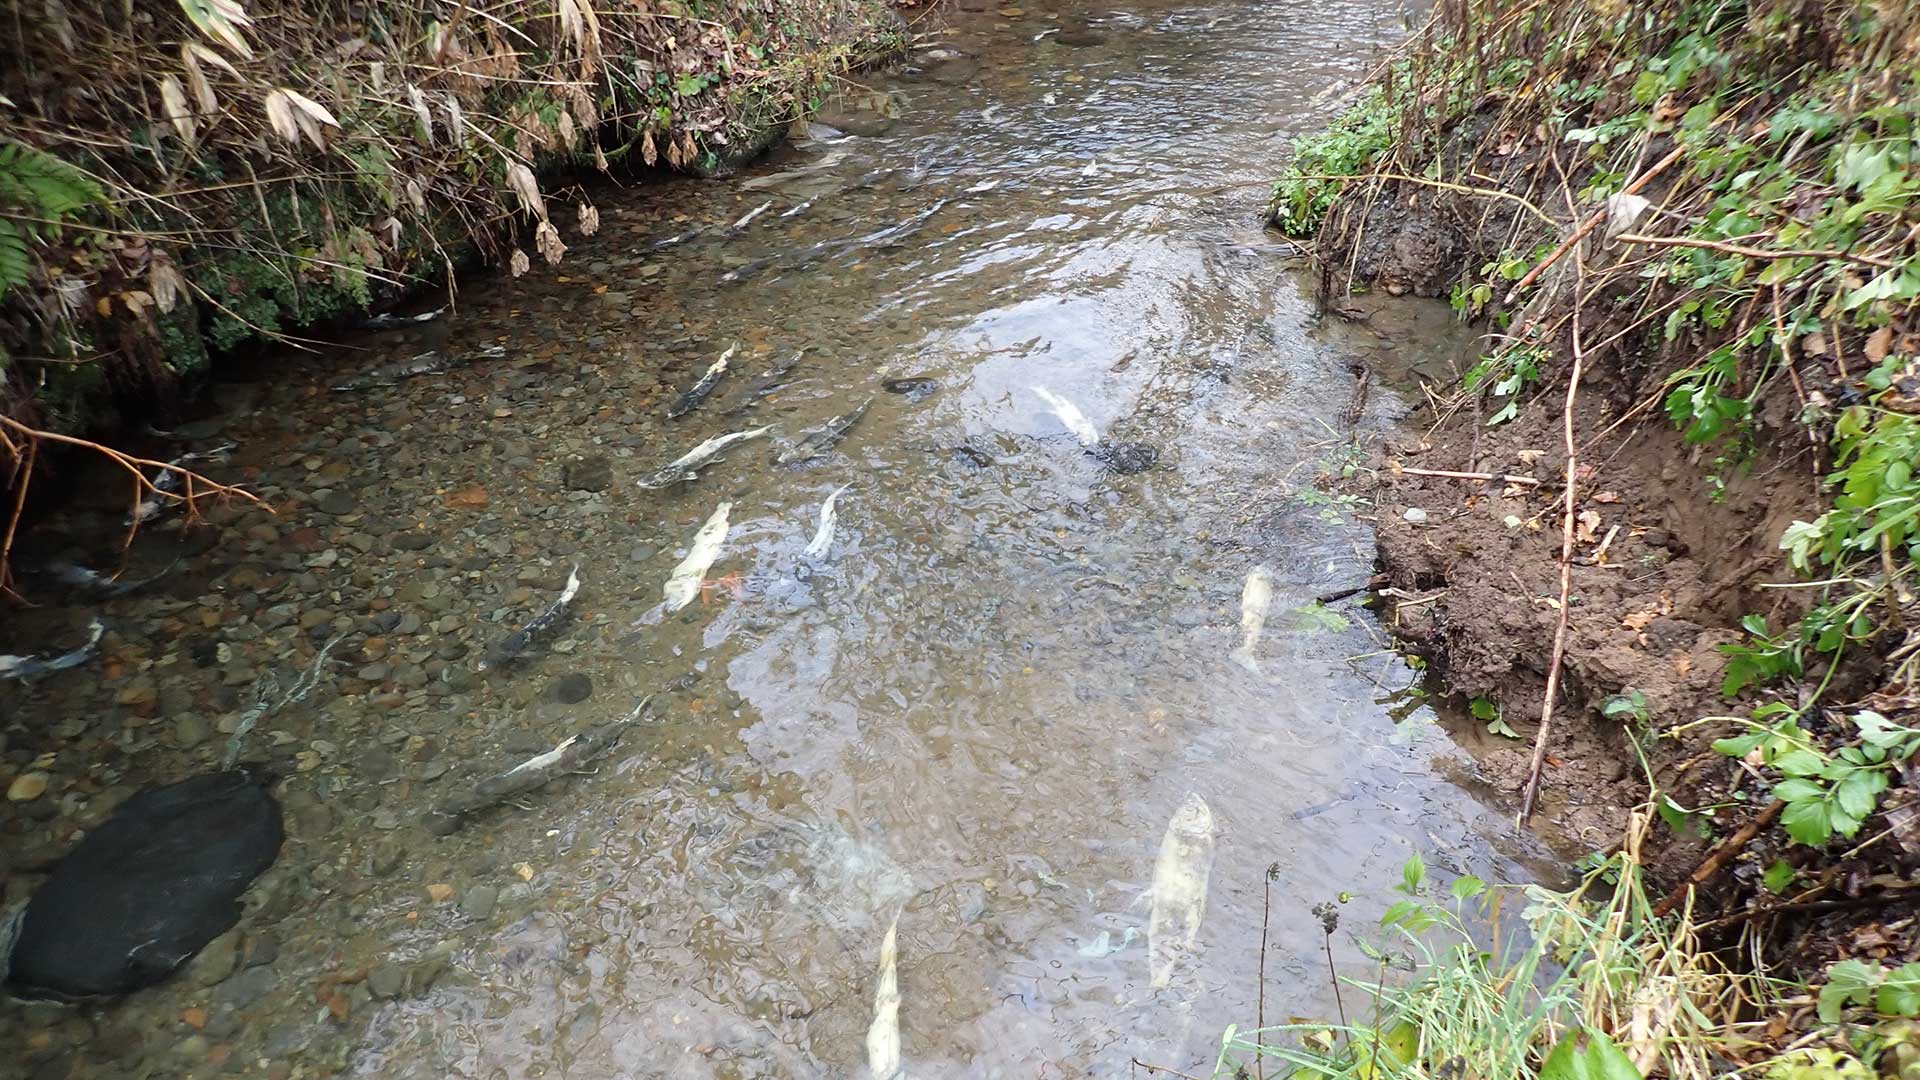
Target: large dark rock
147,889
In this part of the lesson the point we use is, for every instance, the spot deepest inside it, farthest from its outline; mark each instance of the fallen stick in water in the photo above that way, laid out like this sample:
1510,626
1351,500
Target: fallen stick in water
571,753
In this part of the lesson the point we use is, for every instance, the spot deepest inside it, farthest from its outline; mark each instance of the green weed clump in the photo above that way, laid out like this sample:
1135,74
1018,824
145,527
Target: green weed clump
1518,983
1322,162
1527,983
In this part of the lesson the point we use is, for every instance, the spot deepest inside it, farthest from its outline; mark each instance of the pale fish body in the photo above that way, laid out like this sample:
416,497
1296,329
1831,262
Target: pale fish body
823,536
883,1036
698,392
168,481
747,218
32,667
684,583
1070,415
509,650
1254,601
687,465
1179,887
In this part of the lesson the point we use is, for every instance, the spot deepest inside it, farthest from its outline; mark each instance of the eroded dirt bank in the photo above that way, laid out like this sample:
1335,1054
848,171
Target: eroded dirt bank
1736,291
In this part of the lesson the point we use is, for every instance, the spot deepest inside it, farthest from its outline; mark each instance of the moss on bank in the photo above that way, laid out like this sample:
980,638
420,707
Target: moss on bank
1711,213
206,175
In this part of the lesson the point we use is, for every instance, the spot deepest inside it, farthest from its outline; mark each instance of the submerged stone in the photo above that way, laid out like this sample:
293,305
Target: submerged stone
1126,457
146,890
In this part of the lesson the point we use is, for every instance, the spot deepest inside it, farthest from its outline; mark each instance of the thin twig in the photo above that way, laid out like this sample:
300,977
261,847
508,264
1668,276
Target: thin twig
1444,185
194,486
1170,1071
1757,253
1450,474
1260,1012
1593,222
1540,738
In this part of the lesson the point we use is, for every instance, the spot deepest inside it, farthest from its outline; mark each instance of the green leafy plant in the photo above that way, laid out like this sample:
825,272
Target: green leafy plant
1629,704
1763,658
1827,794
1879,495
38,194
1471,296
1321,164
1484,710
1779,877
1317,618
1508,371
1863,984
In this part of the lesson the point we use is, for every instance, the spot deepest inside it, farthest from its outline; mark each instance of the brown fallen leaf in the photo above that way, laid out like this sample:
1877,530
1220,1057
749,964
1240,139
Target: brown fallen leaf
472,497
1584,526
1639,619
1879,343
440,892
1607,497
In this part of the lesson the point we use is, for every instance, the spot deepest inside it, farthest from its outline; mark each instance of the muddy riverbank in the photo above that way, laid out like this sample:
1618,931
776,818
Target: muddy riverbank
1712,599
969,713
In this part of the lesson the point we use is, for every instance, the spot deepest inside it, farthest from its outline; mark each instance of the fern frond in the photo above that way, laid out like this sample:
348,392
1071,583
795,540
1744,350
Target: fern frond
41,185
14,261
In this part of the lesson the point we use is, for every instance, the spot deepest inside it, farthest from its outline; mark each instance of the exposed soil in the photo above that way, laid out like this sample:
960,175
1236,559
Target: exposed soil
1666,562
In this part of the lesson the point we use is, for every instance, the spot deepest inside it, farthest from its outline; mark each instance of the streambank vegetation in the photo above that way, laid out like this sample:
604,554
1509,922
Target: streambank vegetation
1663,529
183,178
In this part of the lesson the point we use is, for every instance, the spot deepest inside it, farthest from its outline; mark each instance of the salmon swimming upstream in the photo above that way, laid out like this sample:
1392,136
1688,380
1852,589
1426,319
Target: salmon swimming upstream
542,624
823,536
883,1035
1179,887
684,583
773,380
687,466
823,438
32,667
168,480
1070,415
1255,598
702,389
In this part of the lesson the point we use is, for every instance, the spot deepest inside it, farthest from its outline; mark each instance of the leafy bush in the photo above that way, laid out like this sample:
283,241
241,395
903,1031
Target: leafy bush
1827,793
1322,163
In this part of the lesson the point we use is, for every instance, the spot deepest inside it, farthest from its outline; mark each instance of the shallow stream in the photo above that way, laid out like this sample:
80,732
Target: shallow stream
973,716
